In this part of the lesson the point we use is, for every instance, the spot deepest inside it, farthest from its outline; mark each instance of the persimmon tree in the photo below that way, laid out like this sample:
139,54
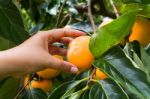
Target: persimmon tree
124,67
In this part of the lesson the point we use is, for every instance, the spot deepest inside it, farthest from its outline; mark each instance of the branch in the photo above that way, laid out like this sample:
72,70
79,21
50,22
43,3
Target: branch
27,84
60,12
92,75
90,15
22,90
65,18
114,8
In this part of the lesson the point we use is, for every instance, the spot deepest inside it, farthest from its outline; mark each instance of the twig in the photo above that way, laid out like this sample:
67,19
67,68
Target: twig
92,75
65,17
21,90
27,84
90,15
60,12
114,8
70,19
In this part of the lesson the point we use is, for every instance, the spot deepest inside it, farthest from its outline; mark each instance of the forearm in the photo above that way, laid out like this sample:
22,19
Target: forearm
11,64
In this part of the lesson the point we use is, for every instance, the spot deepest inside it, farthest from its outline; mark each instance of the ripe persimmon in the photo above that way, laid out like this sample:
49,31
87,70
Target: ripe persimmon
44,84
141,31
49,72
79,54
100,75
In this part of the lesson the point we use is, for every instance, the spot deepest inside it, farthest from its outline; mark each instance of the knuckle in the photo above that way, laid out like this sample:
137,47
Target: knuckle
65,66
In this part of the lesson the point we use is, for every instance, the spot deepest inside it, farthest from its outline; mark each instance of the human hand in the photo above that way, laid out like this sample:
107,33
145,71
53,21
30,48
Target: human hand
36,53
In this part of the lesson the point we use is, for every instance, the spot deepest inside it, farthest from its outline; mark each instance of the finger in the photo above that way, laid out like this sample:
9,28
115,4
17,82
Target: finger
66,40
57,34
54,50
63,65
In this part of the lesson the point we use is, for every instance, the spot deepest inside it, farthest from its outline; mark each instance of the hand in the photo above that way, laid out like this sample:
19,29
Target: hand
36,53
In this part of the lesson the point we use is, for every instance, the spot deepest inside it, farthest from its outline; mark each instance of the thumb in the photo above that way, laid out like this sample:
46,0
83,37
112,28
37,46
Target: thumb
62,65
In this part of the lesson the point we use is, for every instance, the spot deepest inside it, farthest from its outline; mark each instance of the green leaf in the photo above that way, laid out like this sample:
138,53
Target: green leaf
96,92
145,9
11,25
85,95
112,89
121,69
71,88
59,91
148,49
140,58
111,34
82,75
145,59
78,94
136,1
65,89
9,87
5,44
33,93
134,54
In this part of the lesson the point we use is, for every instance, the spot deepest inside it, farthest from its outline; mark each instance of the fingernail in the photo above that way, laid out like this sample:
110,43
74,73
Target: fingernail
74,70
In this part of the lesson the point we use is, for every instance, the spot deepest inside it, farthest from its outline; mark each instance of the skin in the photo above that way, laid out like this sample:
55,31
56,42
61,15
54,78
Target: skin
36,53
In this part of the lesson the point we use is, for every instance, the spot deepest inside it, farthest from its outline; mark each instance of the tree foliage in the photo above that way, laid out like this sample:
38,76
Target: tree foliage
127,67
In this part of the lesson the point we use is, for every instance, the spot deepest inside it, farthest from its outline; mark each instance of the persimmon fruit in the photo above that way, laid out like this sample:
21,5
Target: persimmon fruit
141,31
100,75
79,53
44,84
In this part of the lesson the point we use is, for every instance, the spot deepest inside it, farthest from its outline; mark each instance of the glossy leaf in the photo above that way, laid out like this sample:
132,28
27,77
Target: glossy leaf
111,34
85,95
112,89
96,92
121,69
82,75
139,58
59,91
65,89
145,59
71,88
77,94
11,25
133,53
33,93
